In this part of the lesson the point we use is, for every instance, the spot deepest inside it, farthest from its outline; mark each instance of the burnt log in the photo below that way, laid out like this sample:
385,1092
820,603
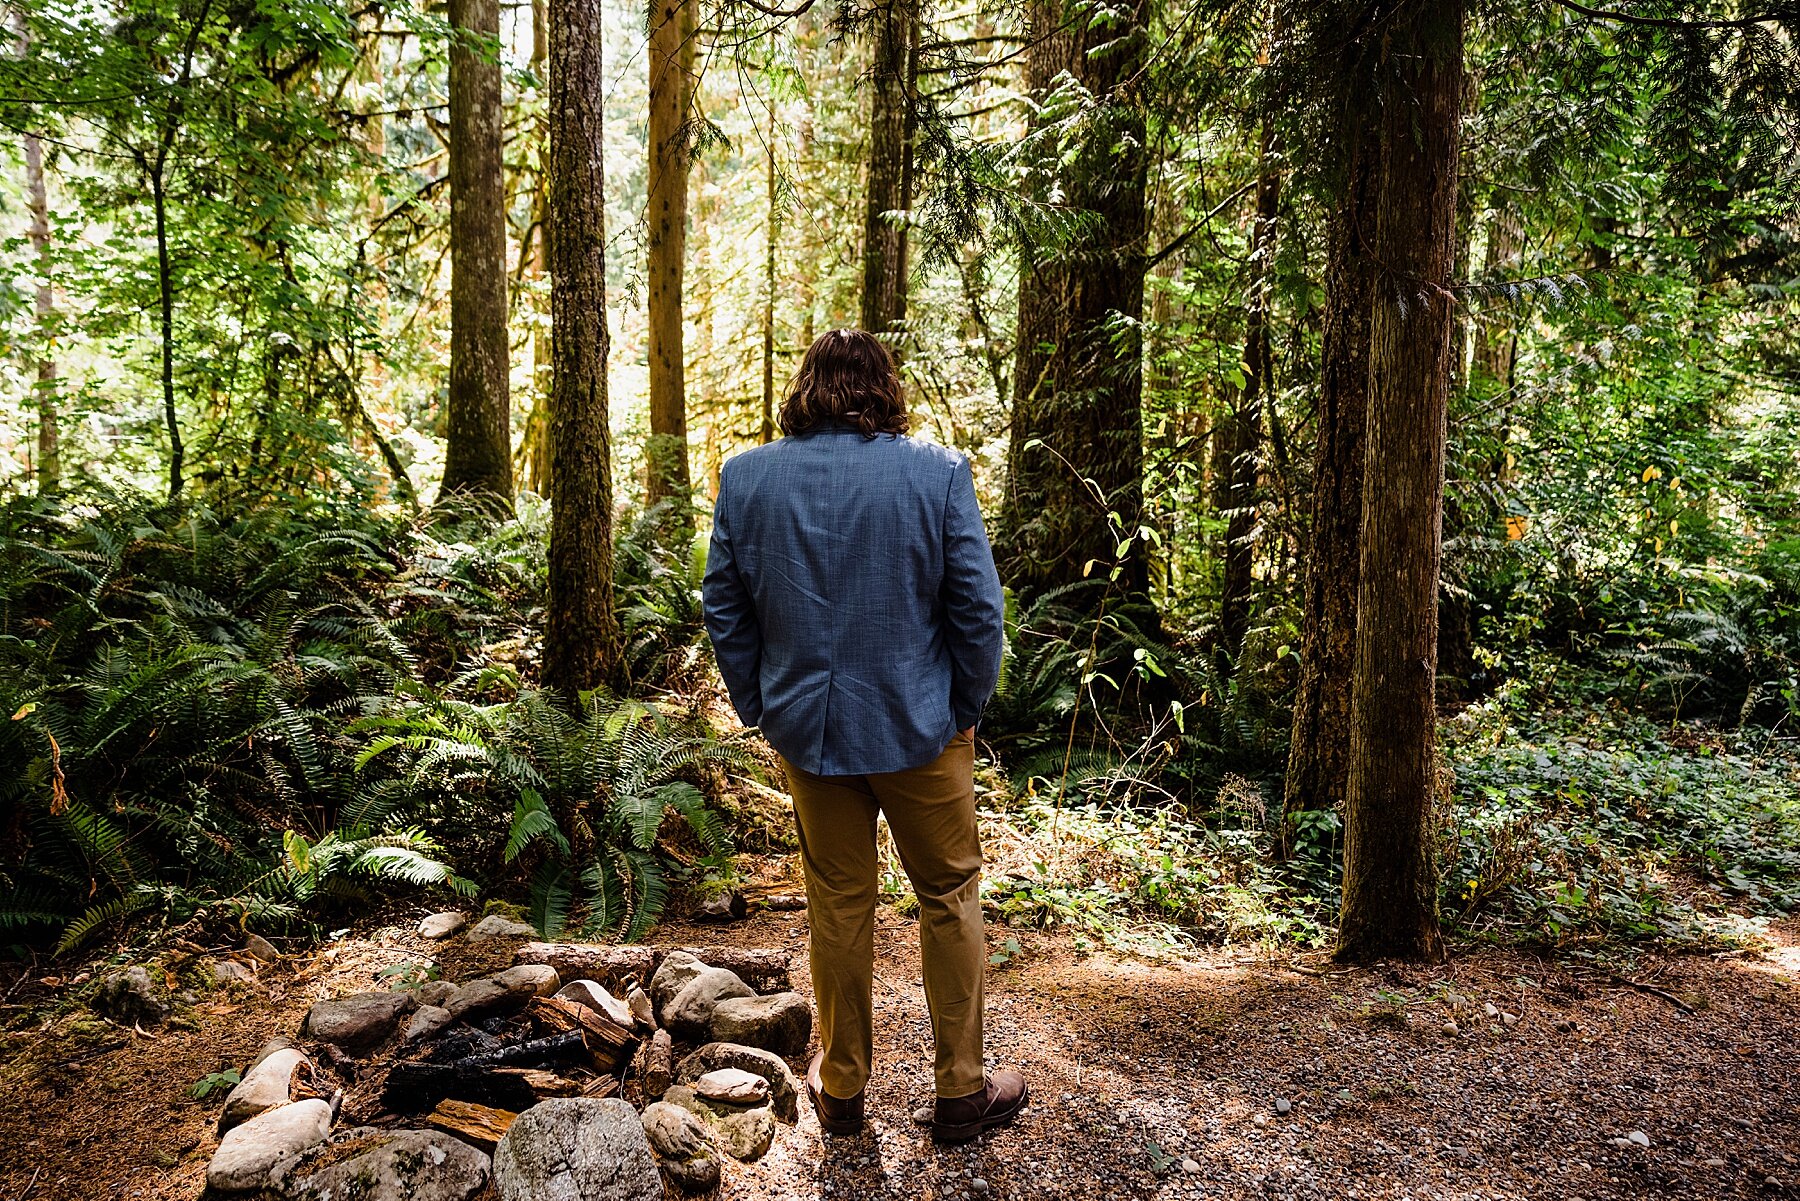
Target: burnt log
412,1087
565,1047
488,1077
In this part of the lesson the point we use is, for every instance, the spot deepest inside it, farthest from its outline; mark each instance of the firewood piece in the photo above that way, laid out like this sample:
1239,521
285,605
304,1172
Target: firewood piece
601,1086
610,1046
659,1064
585,961
782,902
545,1084
478,1125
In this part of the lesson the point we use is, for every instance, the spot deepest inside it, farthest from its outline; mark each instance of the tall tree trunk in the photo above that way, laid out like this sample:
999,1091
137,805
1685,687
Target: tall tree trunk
165,292
37,198
771,232
1456,613
478,450
1078,380
534,449
1319,754
1238,438
581,636
890,182
1390,870
1496,341
671,90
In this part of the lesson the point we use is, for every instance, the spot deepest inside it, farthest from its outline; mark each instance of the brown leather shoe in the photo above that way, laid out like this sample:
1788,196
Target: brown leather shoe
835,1116
959,1119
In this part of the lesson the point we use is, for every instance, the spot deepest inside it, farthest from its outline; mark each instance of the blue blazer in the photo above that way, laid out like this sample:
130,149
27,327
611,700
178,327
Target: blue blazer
852,599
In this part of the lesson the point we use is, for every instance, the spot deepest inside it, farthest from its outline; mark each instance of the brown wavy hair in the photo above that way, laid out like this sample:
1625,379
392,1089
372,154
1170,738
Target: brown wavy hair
847,377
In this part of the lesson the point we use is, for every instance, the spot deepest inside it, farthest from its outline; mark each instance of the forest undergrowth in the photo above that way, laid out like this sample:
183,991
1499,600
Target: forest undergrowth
262,720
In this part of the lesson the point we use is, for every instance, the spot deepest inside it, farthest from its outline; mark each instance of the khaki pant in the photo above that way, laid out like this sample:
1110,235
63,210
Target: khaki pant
931,813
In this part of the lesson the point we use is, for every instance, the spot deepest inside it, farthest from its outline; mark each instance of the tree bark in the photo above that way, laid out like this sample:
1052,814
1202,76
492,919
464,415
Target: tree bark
1390,870
671,91
37,198
581,637
1496,341
1319,753
771,232
890,180
165,293
1076,454
1238,445
478,450
534,448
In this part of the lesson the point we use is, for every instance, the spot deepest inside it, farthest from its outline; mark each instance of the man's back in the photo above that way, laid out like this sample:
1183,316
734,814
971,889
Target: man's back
852,598
857,618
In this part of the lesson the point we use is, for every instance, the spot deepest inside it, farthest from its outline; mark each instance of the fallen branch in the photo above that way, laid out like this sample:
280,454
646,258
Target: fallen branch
1654,991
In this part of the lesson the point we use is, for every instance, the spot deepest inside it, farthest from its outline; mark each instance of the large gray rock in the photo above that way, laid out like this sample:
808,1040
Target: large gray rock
228,973
734,1086
502,991
602,1002
360,1021
689,1015
577,1149
639,1002
267,1084
784,1089
442,925
495,926
682,1145
674,973
280,1042
428,1022
745,1133
248,1152
131,996
435,992
780,1022
368,1164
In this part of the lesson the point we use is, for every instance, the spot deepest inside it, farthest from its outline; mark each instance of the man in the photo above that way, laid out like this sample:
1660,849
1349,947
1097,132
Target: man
857,617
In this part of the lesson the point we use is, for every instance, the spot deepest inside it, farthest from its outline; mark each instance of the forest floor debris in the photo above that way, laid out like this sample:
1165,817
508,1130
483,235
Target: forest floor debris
1222,1076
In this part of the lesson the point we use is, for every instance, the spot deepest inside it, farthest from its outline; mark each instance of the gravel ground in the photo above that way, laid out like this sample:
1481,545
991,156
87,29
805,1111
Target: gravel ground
1215,1078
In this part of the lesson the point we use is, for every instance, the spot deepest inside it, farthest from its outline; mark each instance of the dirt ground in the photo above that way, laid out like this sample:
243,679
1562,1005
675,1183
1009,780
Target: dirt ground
1148,1080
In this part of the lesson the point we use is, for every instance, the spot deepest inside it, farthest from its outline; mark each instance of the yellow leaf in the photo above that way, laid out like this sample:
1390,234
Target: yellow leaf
1516,526
25,710
1652,472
